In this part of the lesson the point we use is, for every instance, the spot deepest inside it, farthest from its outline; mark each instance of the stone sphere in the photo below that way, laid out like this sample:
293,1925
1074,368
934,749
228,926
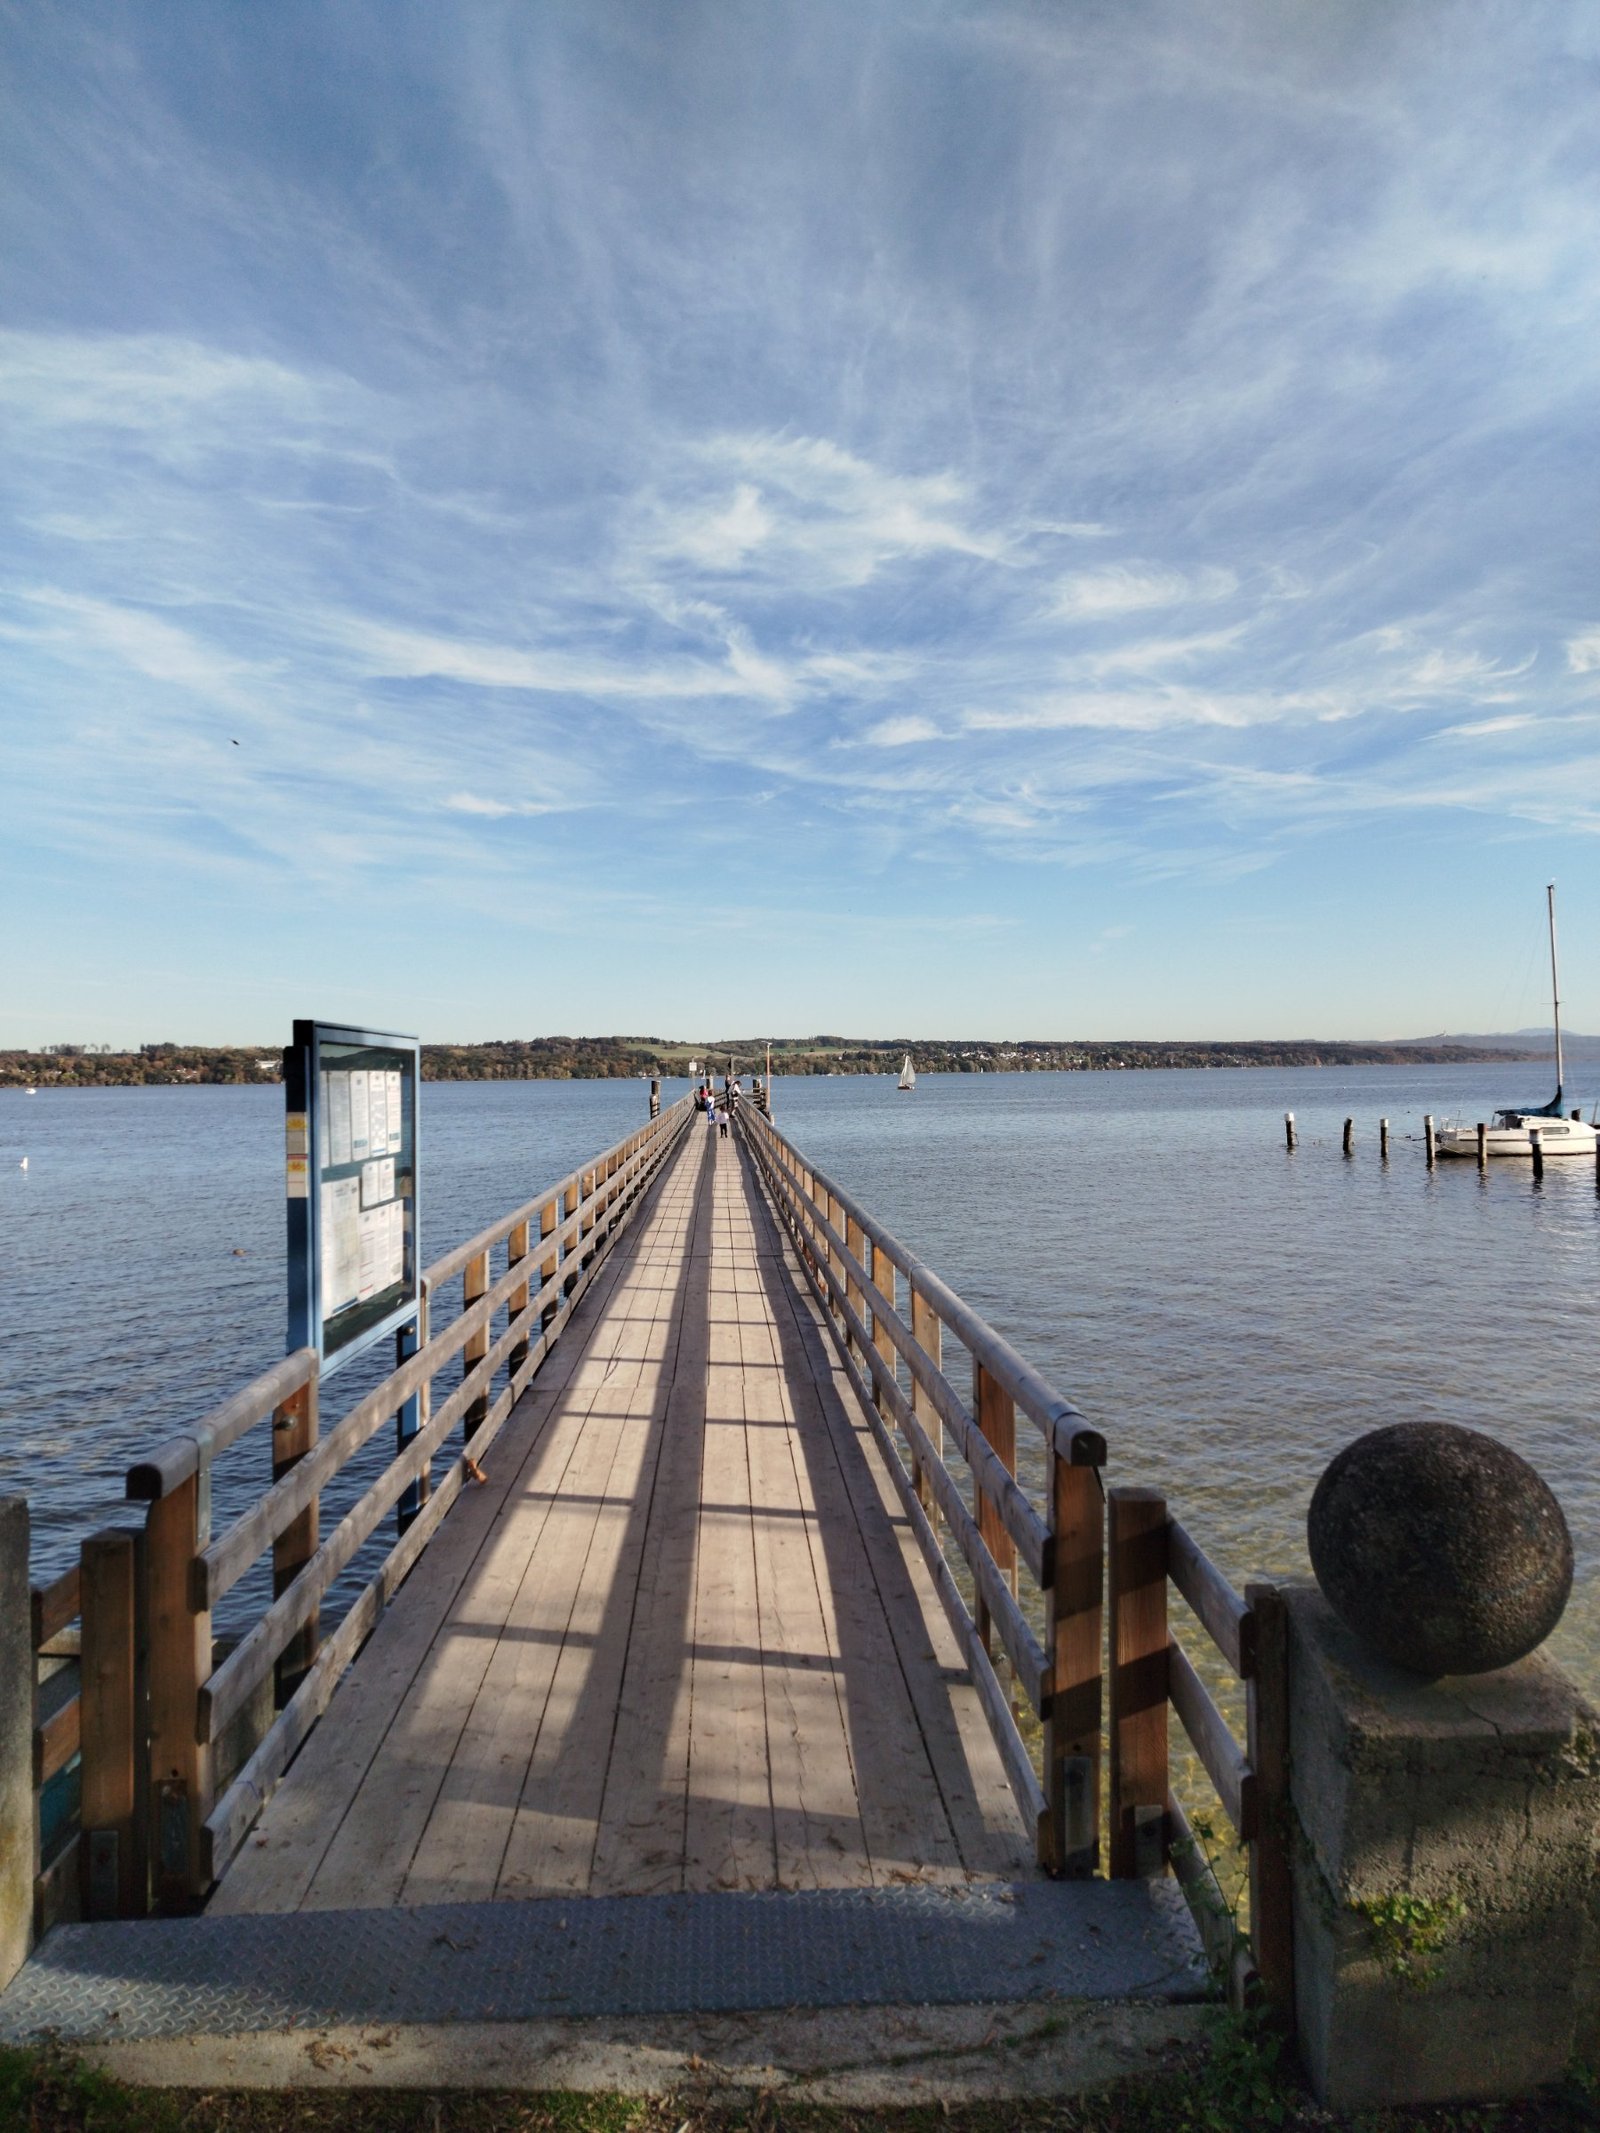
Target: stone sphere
1441,1548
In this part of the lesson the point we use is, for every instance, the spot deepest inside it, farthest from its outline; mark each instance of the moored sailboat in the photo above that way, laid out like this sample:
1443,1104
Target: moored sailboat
908,1077
1513,1130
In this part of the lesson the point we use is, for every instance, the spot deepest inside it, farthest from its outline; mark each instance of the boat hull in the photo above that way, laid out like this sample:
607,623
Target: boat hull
1557,1137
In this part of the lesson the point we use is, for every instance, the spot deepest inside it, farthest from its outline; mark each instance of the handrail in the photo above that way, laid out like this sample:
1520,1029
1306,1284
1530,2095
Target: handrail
1057,1418
54,1606
574,1250
454,1262
1022,1521
1061,1677
503,1330
1151,1672
227,1558
183,1455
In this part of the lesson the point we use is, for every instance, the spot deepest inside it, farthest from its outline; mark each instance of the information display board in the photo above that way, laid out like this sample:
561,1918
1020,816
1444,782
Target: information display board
351,1179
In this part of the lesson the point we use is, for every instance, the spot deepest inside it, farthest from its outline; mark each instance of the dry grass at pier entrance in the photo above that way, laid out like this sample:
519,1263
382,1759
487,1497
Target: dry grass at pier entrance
1232,2086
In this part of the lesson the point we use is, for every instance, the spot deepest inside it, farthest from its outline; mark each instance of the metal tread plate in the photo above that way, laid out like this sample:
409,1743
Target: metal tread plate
552,1958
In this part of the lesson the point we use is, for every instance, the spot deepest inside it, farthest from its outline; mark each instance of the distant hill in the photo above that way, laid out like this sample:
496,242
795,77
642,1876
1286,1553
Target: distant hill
1525,1043
586,1058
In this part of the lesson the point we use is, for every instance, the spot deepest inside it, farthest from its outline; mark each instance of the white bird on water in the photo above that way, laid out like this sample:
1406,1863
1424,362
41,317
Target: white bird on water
23,1164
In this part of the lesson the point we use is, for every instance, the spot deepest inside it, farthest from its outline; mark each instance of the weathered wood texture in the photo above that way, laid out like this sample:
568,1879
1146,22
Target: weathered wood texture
680,1640
1271,1880
112,1852
1137,1546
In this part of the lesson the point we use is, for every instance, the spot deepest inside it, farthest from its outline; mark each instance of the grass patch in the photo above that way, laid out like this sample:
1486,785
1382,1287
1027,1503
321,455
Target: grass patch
1238,2083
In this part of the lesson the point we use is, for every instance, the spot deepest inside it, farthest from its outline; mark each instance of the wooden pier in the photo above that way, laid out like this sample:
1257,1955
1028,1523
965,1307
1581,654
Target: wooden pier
676,1641
707,1569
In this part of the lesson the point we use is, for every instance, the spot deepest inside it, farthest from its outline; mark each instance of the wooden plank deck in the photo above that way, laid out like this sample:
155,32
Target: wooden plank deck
680,1640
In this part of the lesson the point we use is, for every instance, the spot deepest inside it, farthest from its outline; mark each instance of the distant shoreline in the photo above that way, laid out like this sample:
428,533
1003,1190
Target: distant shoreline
630,1059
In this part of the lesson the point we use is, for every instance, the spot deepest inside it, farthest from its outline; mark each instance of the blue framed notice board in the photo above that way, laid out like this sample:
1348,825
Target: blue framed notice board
350,1125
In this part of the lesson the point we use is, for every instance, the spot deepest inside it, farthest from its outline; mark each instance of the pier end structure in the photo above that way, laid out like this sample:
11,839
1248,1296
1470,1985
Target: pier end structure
1444,1838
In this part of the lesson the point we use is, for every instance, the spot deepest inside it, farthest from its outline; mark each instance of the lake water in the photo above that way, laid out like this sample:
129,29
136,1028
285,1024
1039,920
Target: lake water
1229,1315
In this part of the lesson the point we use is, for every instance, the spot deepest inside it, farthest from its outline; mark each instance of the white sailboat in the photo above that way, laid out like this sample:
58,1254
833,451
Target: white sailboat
908,1077
1512,1131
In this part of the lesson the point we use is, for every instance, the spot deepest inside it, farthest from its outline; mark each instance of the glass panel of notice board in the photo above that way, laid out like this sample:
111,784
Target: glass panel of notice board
351,1121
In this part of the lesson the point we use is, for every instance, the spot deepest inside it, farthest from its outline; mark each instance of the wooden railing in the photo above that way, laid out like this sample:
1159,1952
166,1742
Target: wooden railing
87,1843
57,1731
888,1310
163,1712
889,1313
1150,1674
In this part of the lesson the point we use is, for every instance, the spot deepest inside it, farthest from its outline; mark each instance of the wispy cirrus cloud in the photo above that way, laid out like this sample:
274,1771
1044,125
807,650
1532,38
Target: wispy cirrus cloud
551,469
1134,588
802,510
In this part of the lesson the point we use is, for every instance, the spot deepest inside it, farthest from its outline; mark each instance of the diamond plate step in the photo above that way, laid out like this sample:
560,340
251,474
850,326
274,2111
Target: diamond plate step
618,1955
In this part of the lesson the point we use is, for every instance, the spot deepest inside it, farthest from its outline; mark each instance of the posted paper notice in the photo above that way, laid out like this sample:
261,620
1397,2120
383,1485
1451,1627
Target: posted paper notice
360,1116
377,1181
341,1245
338,1118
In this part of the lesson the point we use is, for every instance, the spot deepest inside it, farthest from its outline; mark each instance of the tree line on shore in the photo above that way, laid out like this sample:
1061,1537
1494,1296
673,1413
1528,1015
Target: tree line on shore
625,1058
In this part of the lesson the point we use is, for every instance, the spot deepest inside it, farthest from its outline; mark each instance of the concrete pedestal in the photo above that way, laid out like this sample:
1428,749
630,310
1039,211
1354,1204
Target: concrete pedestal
1444,1865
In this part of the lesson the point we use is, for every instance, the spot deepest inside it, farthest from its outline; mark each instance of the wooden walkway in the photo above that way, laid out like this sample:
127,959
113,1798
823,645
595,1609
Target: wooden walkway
681,1640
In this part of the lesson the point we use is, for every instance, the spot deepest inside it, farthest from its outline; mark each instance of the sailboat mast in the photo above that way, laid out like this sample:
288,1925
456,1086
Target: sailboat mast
1555,986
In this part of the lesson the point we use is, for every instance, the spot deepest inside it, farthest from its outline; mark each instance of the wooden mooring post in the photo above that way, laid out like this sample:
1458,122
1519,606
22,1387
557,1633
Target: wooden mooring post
1483,1145
1288,1131
655,1096
1349,1136
1536,1143
1383,1140
1430,1138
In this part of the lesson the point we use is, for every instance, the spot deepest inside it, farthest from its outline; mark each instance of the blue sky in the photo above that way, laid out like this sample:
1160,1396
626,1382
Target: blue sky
1022,520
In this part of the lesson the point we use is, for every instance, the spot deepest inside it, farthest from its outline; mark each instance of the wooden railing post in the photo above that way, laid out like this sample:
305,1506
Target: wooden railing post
586,1224
1073,1647
1267,1746
474,1285
517,1302
927,1331
883,1273
113,1870
996,1416
413,1416
855,1238
18,1802
1137,1520
549,1217
294,1432
178,1642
